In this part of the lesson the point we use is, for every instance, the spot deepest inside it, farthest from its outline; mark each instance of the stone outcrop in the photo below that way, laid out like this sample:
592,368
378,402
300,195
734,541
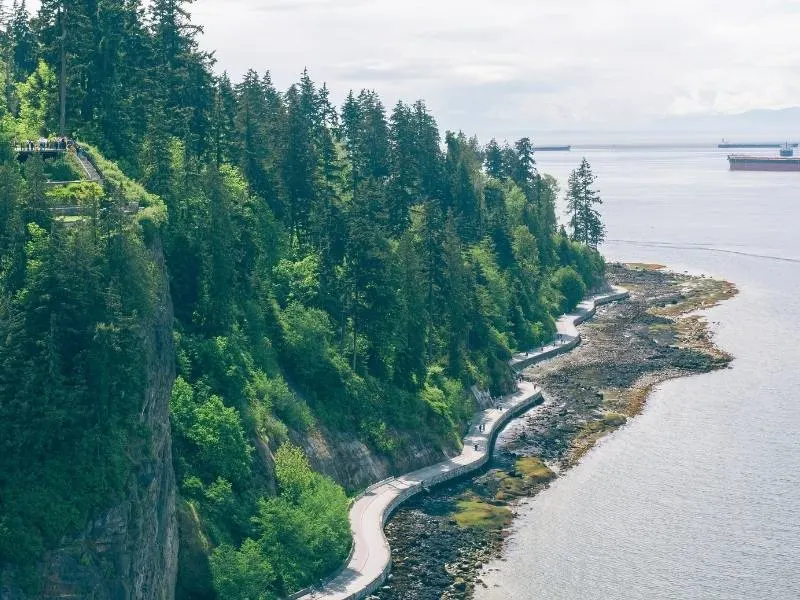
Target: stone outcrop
354,465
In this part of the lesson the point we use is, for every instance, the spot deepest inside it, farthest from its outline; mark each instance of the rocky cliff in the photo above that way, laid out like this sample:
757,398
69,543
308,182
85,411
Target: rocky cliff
354,465
129,551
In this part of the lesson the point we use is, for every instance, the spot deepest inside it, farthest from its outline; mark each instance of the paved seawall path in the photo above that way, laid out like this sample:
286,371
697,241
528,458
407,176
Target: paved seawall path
370,557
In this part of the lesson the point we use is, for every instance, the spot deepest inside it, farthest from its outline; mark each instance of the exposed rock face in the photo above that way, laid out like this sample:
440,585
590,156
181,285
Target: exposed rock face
130,551
354,465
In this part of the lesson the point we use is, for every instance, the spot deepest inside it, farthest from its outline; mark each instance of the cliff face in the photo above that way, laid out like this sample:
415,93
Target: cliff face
129,551
354,465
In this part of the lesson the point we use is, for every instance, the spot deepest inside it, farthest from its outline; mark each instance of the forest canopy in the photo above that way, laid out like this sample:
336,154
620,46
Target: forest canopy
350,269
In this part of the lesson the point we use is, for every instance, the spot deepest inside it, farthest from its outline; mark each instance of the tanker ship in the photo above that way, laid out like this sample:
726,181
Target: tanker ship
785,162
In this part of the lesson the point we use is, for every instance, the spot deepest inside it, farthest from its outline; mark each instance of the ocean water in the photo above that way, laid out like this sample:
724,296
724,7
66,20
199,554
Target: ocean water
699,497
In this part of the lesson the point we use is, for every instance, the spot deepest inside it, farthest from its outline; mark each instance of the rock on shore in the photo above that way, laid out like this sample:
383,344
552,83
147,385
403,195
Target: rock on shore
440,542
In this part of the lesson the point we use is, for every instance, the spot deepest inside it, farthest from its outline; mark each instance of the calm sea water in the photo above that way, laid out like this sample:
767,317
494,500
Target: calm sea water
699,497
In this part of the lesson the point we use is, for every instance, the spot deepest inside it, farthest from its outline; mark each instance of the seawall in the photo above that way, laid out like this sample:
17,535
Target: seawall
370,558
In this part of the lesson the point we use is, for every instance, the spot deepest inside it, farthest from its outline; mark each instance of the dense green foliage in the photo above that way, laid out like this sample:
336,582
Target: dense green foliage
347,270
72,303
302,534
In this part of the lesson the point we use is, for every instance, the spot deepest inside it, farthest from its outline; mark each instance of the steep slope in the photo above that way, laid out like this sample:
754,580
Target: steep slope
94,293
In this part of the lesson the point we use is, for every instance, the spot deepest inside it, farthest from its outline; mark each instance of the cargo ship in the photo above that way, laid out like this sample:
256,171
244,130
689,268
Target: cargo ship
553,148
730,145
785,162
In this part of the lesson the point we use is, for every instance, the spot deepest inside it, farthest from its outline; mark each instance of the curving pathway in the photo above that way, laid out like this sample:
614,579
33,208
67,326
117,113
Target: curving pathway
370,557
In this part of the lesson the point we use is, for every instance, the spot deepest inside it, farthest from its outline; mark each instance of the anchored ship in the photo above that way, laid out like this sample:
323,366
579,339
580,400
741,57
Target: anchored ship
731,145
785,162
553,148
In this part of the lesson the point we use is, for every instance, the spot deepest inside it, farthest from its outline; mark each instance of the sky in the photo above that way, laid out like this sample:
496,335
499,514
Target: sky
512,67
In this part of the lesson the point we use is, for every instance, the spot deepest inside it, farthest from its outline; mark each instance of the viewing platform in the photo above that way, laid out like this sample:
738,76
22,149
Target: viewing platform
55,149
46,148
24,154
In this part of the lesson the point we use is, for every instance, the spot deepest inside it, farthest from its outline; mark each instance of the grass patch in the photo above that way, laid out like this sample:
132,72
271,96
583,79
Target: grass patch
475,513
645,266
626,402
64,168
152,210
593,431
534,469
527,475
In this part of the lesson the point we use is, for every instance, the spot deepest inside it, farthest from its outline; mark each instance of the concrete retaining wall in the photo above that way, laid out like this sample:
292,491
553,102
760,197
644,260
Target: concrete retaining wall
414,483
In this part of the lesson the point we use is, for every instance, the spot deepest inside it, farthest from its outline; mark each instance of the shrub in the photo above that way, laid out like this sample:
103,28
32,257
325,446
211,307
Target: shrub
243,574
304,533
567,281
212,434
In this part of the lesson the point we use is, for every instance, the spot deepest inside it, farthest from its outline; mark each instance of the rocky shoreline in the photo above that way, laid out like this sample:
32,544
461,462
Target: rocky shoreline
440,542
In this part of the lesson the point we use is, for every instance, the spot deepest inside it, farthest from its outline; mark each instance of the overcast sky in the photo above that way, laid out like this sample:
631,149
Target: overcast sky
508,67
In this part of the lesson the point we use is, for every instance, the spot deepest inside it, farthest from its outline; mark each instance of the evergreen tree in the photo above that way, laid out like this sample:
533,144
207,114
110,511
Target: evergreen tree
117,92
405,181
20,48
300,159
65,30
181,76
261,126
375,131
524,170
367,273
226,145
585,221
350,133
429,154
494,160
462,165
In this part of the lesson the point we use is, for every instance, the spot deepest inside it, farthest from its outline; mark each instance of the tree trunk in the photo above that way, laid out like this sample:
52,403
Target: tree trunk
62,123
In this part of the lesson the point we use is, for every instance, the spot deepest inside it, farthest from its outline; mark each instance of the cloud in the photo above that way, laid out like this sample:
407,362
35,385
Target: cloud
297,5
376,71
498,65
